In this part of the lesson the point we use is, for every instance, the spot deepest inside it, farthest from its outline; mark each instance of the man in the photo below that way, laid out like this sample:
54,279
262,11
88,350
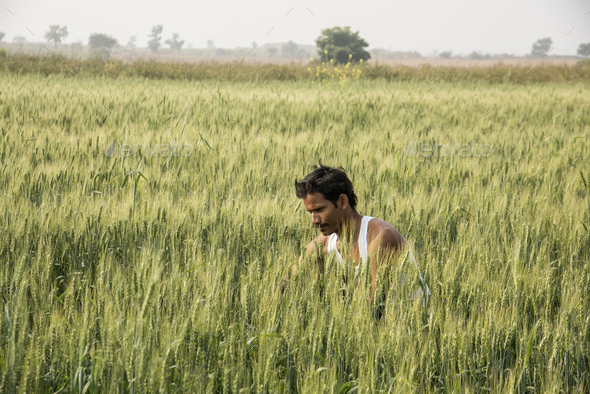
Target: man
329,197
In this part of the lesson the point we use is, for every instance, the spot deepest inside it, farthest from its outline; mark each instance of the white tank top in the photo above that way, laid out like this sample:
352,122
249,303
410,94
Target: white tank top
363,251
362,241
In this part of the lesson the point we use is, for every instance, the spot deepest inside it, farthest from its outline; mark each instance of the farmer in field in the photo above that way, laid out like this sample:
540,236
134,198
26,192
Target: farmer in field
329,197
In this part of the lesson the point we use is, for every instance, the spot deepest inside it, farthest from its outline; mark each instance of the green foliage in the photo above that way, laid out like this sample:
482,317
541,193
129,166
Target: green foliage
20,63
446,54
222,52
98,40
131,42
100,54
163,274
584,49
56,33
20,40
2,35
541,47
329,74
175,43
155,37
478,55
100,45
342,45
290,49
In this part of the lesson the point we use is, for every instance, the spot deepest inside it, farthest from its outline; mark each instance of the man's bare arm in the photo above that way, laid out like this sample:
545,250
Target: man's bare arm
311,247
392,244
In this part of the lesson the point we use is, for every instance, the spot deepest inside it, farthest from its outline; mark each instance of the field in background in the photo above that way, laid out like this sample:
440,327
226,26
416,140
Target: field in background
314,71
259,55
147,224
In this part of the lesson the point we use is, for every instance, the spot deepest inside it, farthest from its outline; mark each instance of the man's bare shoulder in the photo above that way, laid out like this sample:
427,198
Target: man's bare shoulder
381,233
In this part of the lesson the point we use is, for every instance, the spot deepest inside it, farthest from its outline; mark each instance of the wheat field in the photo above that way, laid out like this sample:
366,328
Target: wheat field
147,225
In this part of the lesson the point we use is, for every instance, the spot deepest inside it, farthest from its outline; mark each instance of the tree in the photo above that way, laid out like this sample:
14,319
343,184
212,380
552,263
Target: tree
101,41
155,36
584,49
19,40
272,51
131,42
222,52
210,44
478,55
175,44
2,34
290,49
542,47
446,54
254,44
56,33
342,45
101,45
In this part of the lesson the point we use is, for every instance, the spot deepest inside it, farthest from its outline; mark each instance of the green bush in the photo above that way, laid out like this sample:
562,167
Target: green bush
342,45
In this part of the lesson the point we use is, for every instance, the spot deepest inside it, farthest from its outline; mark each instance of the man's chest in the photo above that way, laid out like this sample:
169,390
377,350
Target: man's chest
347,250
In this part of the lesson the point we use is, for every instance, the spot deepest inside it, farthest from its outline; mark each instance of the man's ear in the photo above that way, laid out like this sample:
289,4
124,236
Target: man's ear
343,200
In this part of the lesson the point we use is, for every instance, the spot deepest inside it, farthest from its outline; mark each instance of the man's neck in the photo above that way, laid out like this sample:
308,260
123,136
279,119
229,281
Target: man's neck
351,224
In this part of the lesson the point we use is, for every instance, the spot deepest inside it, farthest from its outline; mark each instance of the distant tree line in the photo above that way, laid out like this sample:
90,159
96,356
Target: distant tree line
338,44
543,46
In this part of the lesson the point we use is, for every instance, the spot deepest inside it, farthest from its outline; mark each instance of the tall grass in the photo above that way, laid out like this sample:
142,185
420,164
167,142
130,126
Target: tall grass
172,283
22,64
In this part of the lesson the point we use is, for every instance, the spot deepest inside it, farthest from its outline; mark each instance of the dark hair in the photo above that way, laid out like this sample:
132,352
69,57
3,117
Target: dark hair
330,181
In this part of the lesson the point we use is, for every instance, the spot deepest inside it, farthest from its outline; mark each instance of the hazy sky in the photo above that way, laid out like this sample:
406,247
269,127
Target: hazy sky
500,26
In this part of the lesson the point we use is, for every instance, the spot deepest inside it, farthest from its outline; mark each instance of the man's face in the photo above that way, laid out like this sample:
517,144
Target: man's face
324,215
